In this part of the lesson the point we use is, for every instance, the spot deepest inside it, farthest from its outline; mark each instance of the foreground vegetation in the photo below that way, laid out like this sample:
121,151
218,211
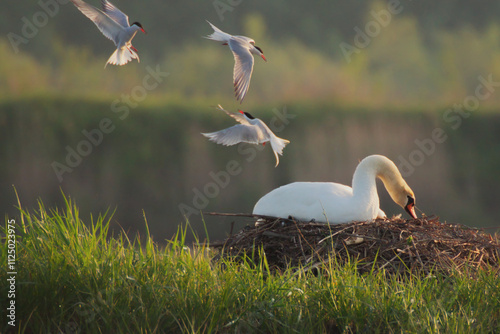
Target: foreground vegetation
74,277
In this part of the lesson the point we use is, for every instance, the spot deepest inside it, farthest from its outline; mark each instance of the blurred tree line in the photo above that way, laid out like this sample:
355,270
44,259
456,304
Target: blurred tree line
315,23
420,56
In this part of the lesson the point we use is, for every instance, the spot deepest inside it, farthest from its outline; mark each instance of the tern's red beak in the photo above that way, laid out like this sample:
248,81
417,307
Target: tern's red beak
144,31
263,58
241,111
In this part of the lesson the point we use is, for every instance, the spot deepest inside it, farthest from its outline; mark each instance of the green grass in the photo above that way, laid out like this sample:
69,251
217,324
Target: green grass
76,277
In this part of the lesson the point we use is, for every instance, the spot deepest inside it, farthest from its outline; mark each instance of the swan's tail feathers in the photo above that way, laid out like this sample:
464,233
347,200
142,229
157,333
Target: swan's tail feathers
218,35
278,144
122,56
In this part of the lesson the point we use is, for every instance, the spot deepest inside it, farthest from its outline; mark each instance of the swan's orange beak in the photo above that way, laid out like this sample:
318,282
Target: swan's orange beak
410,208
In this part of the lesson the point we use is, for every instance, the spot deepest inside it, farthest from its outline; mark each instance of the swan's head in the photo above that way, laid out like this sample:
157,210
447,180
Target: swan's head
397,187
405,199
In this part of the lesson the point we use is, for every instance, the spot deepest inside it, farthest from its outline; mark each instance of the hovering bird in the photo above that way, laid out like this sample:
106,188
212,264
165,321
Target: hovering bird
251,130
336,203
242,47
113,23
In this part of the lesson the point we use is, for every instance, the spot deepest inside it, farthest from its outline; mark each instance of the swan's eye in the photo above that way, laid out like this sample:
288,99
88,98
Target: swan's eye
411,200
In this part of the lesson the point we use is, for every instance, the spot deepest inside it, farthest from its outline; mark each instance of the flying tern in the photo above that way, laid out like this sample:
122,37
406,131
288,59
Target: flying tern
242,47
113,23
251,130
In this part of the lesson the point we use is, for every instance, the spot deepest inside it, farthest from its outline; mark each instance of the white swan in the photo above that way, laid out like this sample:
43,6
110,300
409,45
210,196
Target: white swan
337,203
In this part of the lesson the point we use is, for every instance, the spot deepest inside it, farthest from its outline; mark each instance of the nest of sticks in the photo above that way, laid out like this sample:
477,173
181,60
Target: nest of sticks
398,246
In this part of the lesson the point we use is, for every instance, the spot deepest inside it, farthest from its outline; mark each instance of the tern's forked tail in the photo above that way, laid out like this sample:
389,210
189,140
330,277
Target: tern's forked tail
218,35
278,144
122,56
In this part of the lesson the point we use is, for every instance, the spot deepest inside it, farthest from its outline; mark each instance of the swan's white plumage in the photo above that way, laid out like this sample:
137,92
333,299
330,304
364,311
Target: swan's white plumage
337,203
320,201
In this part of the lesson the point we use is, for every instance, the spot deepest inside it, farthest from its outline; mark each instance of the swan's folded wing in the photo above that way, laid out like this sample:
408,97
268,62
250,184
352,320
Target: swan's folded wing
234,135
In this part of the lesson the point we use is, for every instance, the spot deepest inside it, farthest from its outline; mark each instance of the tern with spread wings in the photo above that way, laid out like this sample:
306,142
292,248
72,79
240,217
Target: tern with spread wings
113,24
243,49
251,130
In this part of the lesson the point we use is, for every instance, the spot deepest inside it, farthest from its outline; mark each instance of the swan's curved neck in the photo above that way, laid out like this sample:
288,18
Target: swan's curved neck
364,180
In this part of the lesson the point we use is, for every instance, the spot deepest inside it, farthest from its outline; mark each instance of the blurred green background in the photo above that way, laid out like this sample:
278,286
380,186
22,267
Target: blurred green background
418,81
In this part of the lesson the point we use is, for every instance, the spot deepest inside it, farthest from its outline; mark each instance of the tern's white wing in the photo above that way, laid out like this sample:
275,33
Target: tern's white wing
237,134
237,116
113,12
106,25
243,67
